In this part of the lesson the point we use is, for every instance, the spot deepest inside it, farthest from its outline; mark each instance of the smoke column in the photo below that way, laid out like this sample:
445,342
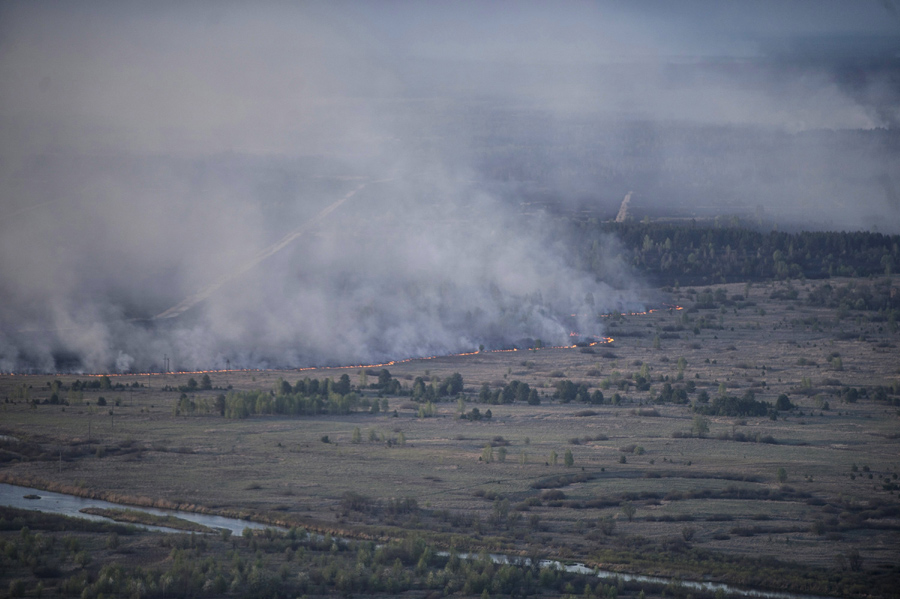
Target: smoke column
350,182
623,209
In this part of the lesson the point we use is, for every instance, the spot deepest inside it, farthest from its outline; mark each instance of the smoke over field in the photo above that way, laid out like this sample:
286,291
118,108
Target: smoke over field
171,176
388,269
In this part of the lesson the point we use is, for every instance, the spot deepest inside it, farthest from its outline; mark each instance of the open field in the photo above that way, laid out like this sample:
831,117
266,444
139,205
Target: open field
648,490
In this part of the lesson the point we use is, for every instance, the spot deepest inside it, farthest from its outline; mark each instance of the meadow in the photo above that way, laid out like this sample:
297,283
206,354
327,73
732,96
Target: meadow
664,476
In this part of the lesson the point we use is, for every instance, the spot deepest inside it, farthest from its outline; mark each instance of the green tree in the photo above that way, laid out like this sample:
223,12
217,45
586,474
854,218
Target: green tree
783,403
569,459
357,435
554,459
343,384
205,382
219,404
700,426
781,475
384,378
487,454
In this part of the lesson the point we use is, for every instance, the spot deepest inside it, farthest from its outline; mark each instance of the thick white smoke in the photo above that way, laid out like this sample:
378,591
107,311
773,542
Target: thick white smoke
154,153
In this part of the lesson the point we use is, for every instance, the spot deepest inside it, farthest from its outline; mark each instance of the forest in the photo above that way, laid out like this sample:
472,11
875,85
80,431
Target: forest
692,253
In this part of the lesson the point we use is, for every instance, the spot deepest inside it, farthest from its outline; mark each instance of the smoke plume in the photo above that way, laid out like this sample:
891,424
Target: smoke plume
352,182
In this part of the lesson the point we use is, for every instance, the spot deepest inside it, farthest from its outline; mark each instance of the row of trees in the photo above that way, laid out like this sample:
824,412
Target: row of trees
314,387
509,393
450,386
242,404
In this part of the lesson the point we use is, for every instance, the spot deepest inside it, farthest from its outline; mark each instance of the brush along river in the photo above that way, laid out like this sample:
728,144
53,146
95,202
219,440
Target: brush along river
69,505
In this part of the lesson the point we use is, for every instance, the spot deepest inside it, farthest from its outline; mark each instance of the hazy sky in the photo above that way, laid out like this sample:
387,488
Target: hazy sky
212,76
148,149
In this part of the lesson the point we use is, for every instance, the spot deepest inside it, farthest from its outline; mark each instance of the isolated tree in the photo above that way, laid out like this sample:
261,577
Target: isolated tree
384,378
783,403
700,426
629,510
205,382
781,475
357,435
487,454
454,384
553,458
607,525
501,454
854,560
343,385
569,459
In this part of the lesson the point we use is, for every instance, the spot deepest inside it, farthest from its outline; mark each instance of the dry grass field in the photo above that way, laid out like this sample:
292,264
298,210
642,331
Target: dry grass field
643,483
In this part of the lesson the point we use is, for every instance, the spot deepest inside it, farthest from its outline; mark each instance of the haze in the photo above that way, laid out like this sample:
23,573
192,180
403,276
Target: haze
155,153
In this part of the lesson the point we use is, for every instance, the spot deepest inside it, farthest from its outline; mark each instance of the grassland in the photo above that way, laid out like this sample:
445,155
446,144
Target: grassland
710,506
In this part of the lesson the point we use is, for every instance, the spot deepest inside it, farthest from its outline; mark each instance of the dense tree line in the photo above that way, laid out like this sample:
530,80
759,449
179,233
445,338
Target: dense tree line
450,386
241,404
509,393
695,254
729,405
263,564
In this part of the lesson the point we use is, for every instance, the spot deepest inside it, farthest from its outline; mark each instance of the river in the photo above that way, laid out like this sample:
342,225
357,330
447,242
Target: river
69,505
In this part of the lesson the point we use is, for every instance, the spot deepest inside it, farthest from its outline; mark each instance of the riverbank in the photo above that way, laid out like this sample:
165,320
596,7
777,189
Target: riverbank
147,519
